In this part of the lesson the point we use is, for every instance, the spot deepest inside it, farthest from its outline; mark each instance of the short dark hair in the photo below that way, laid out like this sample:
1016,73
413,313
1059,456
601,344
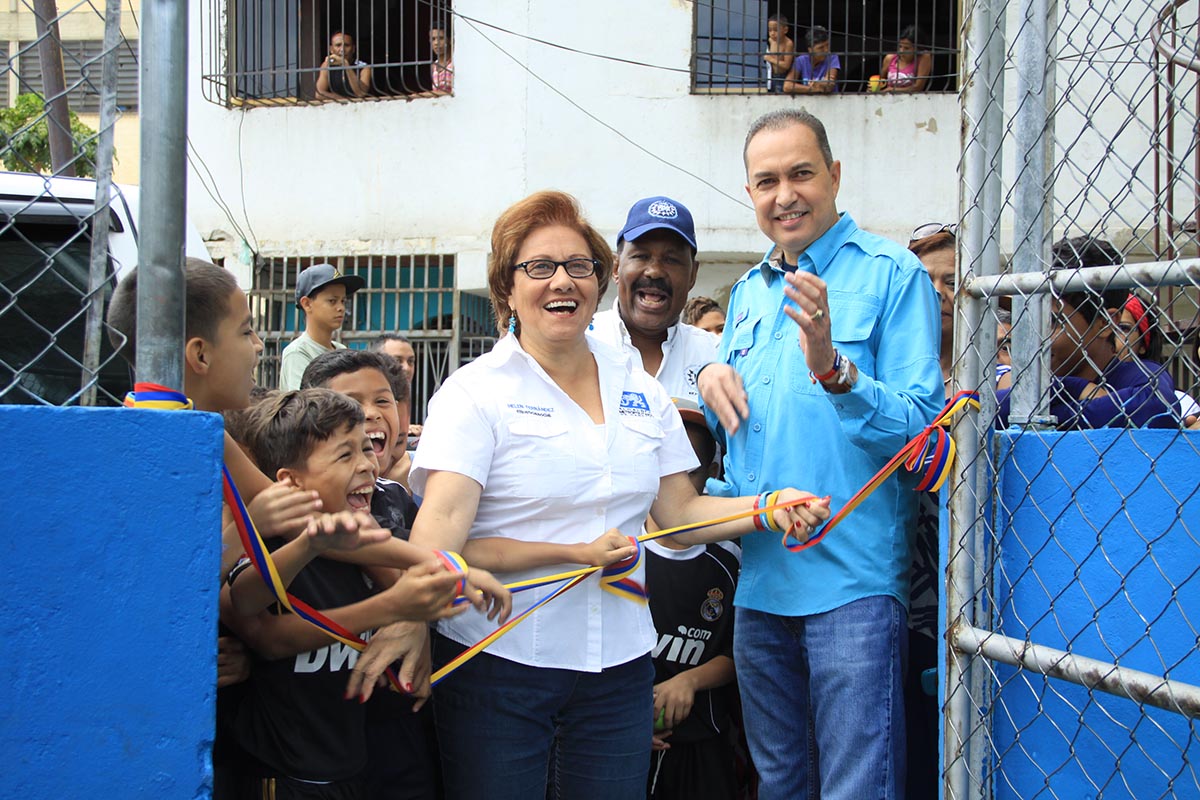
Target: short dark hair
287,428
817,35
697,307
239,421
327,366
780,18
207,288
785,118
378,342
1088,251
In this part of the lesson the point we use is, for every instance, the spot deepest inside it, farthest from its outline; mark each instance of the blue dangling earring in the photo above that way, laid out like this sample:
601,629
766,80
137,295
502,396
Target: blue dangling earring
512,323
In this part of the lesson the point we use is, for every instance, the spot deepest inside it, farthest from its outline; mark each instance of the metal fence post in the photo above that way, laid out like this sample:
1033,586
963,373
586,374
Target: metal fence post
160,319
97,273
1033,138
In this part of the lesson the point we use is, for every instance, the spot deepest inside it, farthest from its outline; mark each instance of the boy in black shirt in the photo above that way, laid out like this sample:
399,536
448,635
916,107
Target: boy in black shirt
691,601
306,740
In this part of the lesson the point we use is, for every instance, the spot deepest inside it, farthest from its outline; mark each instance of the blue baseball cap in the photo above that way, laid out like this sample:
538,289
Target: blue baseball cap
658,212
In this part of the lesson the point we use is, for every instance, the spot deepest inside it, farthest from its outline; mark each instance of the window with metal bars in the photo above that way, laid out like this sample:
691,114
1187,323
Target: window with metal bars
415,296
268,52
734,53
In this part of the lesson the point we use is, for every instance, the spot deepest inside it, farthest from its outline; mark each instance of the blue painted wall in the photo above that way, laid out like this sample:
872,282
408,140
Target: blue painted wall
109,609
1075,559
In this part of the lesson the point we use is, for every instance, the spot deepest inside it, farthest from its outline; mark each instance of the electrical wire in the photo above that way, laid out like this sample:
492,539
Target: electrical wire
604,124
194,156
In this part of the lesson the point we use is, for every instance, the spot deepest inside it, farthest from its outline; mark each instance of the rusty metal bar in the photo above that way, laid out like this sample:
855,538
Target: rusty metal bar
1141,687
1184,272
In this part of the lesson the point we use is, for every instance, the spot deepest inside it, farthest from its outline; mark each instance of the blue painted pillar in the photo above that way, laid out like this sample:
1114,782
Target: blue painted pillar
109,610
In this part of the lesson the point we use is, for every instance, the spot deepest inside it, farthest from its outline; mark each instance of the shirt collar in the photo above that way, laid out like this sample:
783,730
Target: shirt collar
624,331
819,254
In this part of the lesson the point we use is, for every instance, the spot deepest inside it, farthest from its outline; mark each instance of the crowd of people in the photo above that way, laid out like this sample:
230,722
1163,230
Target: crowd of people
342,76
712,662
816,70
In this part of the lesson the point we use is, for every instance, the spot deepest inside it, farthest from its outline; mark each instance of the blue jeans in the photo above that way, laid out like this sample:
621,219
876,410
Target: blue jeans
498,722
823,700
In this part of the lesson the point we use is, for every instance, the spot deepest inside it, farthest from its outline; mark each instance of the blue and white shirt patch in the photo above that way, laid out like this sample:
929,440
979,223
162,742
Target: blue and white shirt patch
634,404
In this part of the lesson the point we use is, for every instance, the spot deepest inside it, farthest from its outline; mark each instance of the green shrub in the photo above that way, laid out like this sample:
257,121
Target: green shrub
25,138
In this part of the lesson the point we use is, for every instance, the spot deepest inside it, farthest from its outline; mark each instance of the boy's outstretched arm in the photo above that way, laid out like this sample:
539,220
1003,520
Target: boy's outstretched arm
342,531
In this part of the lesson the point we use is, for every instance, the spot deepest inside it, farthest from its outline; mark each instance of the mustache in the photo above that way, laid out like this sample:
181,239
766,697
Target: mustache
658,284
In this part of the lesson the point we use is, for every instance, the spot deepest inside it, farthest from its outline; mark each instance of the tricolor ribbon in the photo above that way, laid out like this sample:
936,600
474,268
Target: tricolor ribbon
614,579
932,450
149,395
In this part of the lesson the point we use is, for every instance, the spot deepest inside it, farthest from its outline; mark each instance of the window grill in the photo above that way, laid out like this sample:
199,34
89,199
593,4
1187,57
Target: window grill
415,296
81,74
731,39
276,52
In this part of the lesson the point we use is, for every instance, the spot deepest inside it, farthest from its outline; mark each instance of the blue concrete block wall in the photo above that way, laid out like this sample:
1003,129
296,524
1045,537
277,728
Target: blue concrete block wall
1076,562
109,608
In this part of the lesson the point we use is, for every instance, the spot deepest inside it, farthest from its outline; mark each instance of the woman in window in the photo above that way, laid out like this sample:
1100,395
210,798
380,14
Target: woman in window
906,70
342,75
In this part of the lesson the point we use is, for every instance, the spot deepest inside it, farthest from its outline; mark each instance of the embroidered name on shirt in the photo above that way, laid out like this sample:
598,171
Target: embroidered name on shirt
634,404
532,411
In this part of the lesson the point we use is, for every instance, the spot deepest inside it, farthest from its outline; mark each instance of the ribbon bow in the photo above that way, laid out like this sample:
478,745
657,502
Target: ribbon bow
932,449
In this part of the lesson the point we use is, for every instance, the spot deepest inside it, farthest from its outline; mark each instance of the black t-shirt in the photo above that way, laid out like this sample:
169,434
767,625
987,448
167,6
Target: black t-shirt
393,508
691,601
294,719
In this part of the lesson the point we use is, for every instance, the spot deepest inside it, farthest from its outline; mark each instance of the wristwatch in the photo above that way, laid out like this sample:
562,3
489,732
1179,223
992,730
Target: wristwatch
841,372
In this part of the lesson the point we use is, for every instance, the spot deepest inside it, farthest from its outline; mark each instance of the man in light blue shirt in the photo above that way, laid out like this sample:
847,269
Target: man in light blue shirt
821,634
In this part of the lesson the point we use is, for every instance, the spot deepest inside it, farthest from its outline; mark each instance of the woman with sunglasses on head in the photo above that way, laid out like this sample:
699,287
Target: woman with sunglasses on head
543,455
934,243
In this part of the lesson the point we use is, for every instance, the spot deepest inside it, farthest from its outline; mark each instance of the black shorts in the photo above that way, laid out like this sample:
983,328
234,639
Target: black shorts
292,789
702,770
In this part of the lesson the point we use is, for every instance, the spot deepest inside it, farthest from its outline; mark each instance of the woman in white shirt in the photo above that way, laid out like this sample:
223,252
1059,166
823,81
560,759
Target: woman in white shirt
532,458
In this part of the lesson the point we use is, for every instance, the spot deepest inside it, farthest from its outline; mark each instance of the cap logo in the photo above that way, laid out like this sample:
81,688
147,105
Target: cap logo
663,210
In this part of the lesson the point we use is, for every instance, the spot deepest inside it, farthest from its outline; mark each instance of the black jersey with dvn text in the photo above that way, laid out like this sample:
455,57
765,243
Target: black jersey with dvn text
294,720
691,601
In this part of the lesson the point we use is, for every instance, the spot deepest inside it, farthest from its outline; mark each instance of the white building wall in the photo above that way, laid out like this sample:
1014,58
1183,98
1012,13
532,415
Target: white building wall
431,175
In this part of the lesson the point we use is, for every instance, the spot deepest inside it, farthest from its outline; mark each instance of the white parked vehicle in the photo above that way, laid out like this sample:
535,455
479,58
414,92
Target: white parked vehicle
45,257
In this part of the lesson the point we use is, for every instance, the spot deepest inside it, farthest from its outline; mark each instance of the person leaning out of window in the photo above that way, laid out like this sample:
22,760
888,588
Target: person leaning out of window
343,76
816,71
907,70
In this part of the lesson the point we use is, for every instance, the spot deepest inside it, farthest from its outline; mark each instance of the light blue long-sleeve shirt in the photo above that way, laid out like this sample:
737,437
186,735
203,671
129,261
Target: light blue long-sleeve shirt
885,317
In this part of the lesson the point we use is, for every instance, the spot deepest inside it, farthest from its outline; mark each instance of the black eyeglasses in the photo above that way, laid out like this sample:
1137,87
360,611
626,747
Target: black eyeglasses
933,228
543,268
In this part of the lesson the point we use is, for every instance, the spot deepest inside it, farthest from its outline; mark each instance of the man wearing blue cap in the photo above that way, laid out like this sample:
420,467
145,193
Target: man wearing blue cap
321,293
654,271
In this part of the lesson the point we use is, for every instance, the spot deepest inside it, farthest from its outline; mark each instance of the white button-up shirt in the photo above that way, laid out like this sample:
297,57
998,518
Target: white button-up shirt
551,474
685,352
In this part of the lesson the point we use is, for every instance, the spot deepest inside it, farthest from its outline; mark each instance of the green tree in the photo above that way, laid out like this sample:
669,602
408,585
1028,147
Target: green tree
25,138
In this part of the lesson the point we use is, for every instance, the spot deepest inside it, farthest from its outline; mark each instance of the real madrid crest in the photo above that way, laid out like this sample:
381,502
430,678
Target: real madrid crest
712,608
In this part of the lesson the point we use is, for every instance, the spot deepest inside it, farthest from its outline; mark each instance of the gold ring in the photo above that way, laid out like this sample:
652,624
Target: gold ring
818,314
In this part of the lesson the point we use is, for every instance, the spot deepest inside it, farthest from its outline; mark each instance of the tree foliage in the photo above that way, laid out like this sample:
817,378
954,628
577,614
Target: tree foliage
25,138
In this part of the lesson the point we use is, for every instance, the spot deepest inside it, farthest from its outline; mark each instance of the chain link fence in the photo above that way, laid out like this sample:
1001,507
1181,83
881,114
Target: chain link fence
1071,663
64,240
